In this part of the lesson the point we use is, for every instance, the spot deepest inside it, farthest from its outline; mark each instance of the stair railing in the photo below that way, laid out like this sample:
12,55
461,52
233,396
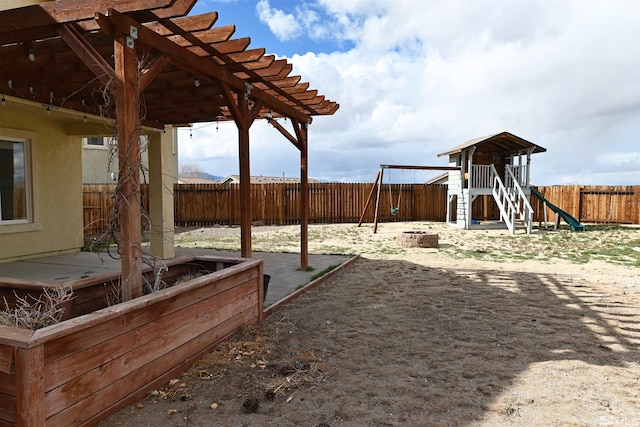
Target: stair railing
520,199
482,176
503,200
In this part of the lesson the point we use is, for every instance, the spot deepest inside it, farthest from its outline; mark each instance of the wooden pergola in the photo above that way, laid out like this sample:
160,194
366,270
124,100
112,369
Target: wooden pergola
161,67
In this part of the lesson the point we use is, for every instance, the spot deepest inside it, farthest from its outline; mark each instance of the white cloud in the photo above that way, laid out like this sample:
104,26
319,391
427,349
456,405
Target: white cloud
445,72
284,26
425,76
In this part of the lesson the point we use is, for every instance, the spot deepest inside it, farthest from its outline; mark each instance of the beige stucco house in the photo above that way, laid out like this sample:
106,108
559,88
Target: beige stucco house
38,157
41,176
100,159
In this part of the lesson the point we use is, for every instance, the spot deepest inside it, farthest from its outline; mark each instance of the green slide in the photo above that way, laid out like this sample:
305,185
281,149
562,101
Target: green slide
574,223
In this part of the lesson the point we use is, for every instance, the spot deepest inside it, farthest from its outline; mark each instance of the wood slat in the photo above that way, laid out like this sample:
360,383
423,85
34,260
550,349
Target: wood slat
200,22
105,322
109,362
7,359
212,35
15,337
8,408
149,376
63,11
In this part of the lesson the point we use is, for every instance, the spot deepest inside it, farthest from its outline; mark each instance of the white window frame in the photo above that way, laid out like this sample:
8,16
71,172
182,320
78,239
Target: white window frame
32,222
28,182
107,143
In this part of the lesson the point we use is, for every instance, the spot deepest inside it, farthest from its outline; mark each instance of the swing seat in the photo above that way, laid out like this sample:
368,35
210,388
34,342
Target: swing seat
395,211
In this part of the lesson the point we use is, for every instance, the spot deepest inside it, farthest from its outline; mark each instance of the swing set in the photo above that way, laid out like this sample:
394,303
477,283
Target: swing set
395,209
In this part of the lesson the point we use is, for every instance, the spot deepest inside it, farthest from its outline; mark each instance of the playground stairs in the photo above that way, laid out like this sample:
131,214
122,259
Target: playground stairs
512,201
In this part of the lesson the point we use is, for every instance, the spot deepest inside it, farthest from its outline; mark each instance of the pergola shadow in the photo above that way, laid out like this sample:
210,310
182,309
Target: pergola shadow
445,346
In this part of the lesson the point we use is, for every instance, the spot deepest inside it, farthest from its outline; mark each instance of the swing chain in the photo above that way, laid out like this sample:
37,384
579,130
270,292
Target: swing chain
395,210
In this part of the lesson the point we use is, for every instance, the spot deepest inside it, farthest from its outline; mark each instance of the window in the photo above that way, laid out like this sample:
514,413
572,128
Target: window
96,141
15,183
99,141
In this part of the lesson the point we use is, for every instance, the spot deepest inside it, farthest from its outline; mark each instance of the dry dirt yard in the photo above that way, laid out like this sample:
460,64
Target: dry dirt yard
487,330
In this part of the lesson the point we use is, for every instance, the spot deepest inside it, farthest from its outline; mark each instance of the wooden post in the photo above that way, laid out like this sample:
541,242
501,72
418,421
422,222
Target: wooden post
485,208
301,143
577,202
128,190
366,205
246,212
469,199
375,215
304,196
261,295
528,178
635,205
30,389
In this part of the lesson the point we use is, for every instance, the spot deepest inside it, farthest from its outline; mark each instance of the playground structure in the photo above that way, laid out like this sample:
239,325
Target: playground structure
495,167
569,219
377,184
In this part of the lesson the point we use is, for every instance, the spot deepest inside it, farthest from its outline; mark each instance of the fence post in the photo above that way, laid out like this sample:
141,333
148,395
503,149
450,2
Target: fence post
635,216
577,200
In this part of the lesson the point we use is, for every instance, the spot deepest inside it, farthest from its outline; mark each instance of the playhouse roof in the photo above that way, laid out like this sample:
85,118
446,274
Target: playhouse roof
60,54
235,179
503,142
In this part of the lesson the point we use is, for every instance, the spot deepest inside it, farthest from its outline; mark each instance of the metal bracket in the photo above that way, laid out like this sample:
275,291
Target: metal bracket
249,86
132,37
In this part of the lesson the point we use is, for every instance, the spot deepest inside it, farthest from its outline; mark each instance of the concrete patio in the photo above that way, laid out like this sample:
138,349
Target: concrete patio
283,268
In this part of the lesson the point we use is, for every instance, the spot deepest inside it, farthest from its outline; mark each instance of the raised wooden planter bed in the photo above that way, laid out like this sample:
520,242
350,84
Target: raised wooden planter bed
83,369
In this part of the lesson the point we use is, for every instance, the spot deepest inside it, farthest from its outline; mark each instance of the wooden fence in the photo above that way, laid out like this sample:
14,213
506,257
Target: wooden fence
593,204
277,204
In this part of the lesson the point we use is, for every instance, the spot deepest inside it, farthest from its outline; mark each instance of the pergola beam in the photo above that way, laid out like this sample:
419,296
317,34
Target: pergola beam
63,11
153,70
203,65
86,52
284,132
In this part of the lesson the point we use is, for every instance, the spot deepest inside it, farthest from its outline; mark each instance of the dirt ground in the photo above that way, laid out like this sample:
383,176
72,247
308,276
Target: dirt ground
427,337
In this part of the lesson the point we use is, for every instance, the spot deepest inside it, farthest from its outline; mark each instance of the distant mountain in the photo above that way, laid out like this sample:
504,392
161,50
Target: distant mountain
212,177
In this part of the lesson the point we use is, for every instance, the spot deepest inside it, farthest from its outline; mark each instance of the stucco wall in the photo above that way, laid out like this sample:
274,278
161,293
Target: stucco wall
98,163
56,169
95,165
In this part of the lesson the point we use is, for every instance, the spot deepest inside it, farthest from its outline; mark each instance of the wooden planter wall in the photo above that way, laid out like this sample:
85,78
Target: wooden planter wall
83,369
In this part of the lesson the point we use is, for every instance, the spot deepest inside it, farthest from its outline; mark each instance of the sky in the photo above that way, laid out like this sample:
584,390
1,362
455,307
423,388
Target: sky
415,78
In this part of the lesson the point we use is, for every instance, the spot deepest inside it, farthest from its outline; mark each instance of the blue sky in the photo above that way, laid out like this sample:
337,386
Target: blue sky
246,16
416,77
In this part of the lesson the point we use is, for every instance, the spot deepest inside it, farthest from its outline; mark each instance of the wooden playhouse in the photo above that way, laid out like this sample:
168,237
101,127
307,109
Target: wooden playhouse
497,168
